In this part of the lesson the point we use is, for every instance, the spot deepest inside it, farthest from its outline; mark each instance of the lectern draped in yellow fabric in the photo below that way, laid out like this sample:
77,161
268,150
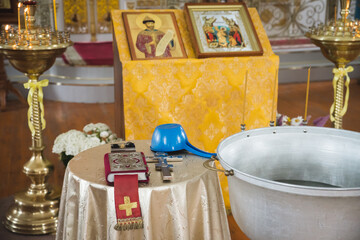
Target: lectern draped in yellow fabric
205,96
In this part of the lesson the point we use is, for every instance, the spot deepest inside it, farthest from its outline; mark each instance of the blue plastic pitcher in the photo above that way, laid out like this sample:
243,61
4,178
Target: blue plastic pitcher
172,137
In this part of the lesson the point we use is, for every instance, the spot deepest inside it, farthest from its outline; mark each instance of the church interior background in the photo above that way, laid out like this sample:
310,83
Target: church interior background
89,24
85,72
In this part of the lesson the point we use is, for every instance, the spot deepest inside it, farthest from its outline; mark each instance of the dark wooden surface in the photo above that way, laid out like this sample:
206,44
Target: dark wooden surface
61,117
6,87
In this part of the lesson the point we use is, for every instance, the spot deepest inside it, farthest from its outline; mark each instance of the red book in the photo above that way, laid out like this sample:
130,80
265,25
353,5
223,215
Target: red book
125,163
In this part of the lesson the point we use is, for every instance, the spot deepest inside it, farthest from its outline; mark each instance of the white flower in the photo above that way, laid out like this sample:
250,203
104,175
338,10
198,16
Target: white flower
89,142
89,128
101,127
112,137
74,142
285,120
68,142
92,135
72,149
296,121
104,134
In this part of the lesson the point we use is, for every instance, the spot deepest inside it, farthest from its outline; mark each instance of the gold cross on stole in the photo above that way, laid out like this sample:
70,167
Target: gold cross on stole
127,206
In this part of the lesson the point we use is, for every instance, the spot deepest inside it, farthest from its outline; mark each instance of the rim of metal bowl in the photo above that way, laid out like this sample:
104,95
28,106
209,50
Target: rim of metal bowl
287,187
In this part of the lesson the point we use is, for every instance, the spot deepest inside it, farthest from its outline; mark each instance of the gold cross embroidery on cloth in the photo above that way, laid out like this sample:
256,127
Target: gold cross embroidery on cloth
127,206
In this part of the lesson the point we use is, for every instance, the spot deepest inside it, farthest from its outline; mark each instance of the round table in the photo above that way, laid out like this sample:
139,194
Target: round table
188,207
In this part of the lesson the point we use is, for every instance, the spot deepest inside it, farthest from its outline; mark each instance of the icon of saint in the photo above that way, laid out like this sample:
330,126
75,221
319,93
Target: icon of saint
153,42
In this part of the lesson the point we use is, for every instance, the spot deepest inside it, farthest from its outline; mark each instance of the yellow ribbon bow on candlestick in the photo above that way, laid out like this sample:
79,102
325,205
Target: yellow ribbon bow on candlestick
33,86
339,73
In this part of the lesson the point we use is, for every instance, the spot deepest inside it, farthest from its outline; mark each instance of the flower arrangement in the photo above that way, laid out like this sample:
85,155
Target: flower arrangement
283,120
69,144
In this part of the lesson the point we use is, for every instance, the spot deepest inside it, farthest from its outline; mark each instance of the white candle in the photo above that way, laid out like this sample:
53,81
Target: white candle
7,27
19,24
25,12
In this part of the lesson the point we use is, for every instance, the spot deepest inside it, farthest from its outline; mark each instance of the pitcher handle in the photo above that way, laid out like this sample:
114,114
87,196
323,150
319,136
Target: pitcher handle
197,151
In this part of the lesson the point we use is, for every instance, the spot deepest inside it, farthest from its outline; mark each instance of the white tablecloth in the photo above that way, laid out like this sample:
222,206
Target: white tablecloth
189,207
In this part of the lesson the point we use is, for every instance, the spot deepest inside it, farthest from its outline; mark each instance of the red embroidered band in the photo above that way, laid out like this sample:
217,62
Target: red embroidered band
128,212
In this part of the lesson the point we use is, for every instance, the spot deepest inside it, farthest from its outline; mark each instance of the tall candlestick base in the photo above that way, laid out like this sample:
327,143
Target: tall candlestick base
33,213
32,52
35,210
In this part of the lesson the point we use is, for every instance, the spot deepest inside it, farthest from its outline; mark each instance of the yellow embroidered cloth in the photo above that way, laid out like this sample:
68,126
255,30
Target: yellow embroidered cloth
205,96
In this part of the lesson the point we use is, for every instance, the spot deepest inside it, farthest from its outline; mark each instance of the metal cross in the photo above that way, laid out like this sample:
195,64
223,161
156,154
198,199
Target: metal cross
161,159
169,158
164,167
128,206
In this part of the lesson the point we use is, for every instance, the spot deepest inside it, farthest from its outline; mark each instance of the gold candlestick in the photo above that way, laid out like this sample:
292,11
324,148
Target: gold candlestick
339,42
35,210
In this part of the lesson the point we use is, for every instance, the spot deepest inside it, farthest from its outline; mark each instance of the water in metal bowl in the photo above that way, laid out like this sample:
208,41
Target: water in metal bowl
294,182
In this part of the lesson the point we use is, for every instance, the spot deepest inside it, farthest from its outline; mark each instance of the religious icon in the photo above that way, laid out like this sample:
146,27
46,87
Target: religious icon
222,30
153,42
219,36
235,38
76,16
103,15
153,35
